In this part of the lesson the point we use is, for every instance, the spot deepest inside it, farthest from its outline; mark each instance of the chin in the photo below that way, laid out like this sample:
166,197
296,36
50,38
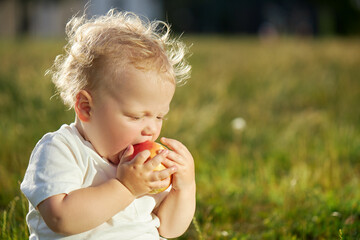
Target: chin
115,159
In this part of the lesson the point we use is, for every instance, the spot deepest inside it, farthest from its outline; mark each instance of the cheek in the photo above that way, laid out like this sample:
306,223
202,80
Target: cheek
123,134
105,135
114,141
157,134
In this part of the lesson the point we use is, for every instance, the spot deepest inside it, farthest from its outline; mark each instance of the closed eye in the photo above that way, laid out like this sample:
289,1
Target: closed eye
161,118
134,117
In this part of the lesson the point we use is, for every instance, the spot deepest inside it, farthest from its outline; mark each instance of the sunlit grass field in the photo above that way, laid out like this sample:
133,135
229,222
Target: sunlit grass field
292,172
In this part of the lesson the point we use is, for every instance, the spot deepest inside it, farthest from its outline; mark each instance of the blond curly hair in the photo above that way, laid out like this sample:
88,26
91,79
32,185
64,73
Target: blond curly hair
119,38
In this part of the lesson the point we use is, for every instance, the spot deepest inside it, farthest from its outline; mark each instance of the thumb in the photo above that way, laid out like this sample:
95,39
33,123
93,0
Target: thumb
127,154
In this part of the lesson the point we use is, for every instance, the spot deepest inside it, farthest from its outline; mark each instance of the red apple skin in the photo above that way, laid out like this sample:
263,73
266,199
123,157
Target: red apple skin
154,149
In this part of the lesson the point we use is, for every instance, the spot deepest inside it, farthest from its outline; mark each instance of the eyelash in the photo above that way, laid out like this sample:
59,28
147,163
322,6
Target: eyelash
162,118
138,118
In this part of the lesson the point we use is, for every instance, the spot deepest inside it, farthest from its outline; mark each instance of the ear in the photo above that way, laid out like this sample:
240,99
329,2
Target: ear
83,105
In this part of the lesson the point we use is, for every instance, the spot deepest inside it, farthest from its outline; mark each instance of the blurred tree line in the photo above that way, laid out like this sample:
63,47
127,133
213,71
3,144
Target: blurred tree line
302,17
315,17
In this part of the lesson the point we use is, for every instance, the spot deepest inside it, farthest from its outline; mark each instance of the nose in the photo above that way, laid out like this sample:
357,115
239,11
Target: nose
151,128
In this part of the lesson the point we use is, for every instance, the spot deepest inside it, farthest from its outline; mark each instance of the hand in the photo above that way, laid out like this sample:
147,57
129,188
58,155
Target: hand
137,174
181,158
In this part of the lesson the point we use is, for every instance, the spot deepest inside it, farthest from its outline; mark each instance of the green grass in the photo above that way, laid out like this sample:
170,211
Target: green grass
292,173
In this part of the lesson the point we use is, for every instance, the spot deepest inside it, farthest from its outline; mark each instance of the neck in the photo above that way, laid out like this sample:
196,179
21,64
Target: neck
79,126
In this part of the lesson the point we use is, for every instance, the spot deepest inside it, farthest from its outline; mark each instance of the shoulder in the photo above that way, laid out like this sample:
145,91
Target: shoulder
64,139
56,166
58,150
66,134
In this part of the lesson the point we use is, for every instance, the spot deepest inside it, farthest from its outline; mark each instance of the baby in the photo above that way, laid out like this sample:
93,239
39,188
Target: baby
119,74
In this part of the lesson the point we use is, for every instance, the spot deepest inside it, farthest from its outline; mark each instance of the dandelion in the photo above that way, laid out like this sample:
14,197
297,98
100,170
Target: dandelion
238,124
336,214
293,182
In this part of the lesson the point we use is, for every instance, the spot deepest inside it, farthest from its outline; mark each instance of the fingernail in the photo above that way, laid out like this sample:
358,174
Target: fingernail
127,149
164,151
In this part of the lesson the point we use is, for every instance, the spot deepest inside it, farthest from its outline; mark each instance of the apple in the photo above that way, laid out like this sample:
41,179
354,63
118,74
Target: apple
154,149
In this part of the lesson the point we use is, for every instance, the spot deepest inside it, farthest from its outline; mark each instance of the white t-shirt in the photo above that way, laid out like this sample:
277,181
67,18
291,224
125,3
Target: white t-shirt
63,161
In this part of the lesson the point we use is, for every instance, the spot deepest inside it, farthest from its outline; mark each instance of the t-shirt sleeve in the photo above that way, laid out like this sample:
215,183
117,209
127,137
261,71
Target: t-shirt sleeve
53,169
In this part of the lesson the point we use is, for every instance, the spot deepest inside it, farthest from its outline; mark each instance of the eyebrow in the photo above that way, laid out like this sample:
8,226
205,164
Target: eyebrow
146,113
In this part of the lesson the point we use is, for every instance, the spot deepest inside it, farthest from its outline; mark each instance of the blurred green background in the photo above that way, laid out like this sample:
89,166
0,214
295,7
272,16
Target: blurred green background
270,115
292,172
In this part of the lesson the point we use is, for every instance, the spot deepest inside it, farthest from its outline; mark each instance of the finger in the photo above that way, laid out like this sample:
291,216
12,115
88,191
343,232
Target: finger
127,154
154,162
161,184
167,162
141,157
173,157
175,145
163,174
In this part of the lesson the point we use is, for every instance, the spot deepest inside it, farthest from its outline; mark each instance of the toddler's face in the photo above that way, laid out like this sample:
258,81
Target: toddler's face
131,112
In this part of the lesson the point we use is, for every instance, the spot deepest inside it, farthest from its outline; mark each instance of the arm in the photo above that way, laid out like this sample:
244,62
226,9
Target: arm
86,208
178,208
